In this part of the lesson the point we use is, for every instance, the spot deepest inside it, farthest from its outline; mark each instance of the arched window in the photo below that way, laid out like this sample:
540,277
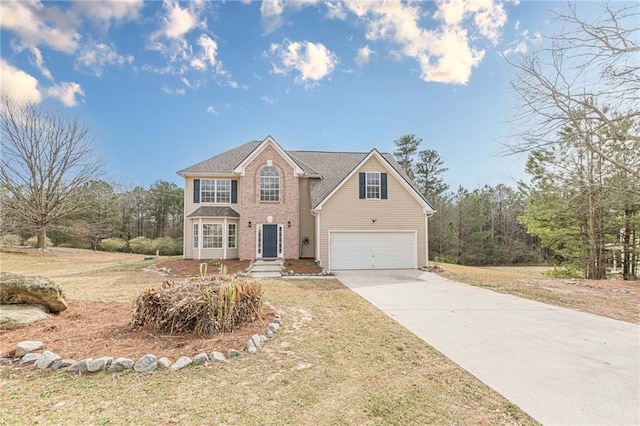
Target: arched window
269,184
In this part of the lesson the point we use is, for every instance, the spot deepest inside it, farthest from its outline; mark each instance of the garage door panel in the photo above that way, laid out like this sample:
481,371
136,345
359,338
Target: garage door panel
372,250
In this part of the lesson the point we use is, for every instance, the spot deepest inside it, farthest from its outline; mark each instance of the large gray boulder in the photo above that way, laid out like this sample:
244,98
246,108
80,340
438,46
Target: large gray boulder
14,316
17,289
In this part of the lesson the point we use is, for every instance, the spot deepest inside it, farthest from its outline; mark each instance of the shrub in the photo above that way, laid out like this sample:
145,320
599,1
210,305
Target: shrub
199,305
168,246
142,245
113,244
10,240
563,272
33,242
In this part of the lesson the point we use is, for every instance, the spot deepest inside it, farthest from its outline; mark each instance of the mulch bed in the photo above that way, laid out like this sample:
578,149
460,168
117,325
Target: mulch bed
94,329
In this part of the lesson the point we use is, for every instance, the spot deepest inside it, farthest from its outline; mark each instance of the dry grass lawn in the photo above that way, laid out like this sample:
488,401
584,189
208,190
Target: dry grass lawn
337,360
610,298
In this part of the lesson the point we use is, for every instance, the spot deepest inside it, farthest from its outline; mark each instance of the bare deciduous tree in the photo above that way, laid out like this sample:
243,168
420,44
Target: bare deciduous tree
46,159
588,72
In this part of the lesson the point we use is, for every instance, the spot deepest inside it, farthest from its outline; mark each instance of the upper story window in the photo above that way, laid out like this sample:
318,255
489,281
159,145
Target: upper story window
269,184
373,185
215,191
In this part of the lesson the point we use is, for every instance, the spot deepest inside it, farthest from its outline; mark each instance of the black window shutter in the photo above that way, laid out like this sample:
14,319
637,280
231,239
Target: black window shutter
196,190
234,192
383,186
363,187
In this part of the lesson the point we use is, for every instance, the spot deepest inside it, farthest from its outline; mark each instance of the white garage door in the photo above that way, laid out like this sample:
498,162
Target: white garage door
372,250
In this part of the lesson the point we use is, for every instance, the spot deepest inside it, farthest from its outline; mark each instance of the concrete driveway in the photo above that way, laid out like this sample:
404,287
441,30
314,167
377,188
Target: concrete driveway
558,365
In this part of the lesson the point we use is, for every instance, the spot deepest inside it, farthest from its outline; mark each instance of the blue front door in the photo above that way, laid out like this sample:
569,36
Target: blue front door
269,240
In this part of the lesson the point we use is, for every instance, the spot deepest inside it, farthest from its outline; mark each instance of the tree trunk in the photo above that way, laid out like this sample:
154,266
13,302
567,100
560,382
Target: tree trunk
42,238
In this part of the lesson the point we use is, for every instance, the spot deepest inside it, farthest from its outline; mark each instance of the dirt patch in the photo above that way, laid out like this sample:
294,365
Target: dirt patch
94,329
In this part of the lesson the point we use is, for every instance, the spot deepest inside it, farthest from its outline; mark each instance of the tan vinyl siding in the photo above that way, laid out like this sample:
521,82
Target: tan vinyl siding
307,221
345,211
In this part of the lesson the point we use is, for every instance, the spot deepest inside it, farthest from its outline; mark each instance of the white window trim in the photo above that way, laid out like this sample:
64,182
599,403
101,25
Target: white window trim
277,176
215,191
366,185
235,239
213,236
196,236
280,236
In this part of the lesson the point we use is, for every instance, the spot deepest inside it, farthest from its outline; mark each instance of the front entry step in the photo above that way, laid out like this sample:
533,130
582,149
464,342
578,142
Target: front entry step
266,268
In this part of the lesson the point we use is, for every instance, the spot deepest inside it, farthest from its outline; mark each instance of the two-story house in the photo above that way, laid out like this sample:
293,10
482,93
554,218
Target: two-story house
346,210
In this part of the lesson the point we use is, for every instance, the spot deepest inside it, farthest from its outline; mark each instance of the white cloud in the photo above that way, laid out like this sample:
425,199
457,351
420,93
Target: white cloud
313,61
67,92
444,52
211,110
520,48
271,14
521,45
268,100
364,55
96,56
39,62
272,11
178,21
172,91
105,11
335,10
17,84
36,24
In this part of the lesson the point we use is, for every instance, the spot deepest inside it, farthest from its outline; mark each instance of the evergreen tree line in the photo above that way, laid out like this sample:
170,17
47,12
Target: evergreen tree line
579,211
470,227
110,213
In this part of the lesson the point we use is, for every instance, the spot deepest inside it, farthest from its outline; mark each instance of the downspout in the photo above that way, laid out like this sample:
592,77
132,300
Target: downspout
426,236
316,214
200,231
225,239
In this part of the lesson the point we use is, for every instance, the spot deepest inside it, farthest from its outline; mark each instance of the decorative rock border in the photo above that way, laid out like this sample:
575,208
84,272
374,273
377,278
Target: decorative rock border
25,354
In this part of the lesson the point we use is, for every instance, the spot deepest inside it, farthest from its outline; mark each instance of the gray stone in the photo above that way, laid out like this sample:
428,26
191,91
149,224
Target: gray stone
120,364
182,362
257,341
27,346
98,364
274,326
46,359
146,364
200,359
251,347
79,367
232,353
17,290
61,363
5,361
216,357
15,316
29,358
164,362
277,320
269,334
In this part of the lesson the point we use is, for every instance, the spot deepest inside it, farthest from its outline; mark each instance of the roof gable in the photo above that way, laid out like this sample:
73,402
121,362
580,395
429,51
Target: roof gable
268,141
391,169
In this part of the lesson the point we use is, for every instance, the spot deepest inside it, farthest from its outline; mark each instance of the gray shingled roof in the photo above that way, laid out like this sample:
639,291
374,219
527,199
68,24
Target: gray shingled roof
225,162
332,166
211,211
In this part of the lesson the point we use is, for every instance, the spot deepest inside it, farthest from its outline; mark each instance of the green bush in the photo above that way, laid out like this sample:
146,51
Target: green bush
33,242
113,244
168,246
142,245
10,240
563,272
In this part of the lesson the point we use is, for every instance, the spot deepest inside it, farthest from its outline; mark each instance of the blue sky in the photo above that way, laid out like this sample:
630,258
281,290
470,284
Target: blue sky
163,85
